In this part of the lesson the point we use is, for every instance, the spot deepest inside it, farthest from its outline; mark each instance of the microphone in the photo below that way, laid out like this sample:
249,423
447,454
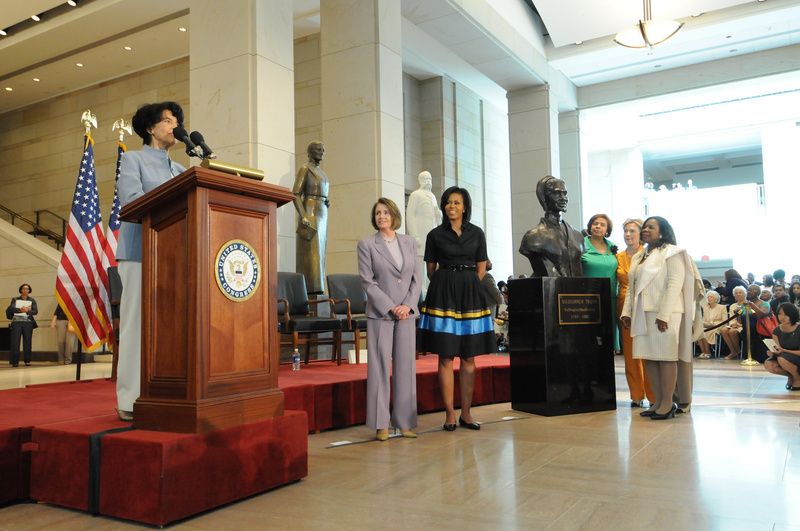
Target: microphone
191,150
198,139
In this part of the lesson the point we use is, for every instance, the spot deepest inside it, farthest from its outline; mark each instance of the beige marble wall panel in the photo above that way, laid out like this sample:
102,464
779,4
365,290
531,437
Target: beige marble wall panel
533,145
569,152
497,191
412,129
349,82
353,23
40,145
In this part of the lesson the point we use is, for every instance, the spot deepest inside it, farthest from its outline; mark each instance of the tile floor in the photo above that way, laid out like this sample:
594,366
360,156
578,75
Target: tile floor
733,463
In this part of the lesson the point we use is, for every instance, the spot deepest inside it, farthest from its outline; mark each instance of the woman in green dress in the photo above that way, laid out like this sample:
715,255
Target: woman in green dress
600,260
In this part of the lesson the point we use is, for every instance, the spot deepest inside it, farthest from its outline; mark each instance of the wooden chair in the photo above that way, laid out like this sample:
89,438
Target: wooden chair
296,320
349,302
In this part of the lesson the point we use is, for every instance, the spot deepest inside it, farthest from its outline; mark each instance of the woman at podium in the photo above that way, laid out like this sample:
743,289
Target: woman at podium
140,172
456,319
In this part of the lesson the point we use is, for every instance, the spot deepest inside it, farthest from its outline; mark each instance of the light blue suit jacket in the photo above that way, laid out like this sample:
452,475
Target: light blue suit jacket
386,284
140,172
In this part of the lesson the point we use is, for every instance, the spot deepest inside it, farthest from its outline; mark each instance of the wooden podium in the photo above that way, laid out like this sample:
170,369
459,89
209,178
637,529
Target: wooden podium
210,344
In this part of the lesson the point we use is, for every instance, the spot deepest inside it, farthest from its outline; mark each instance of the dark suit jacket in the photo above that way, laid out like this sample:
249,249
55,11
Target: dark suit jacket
385,284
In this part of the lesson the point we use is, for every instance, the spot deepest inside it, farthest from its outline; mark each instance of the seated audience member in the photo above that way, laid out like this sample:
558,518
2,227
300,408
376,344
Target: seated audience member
756,309
787,337
501,319
706,284
713,314
779,296
795,278
731,333
767,281
794,293
766,294
779,276
732,279
751,278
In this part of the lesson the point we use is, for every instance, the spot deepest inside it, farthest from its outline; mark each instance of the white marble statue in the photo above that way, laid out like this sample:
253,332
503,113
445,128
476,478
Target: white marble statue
422,212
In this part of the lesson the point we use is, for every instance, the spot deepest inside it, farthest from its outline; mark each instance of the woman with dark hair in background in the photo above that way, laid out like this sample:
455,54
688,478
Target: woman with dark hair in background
456,319
599,258
140,172
660,310
787,338
732,279
20,312
794,293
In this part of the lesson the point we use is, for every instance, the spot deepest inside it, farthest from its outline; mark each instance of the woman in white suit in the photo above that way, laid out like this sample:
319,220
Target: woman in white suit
388,270
664,290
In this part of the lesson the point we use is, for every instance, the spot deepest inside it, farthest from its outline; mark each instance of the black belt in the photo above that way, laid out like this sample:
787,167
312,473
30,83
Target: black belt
459,267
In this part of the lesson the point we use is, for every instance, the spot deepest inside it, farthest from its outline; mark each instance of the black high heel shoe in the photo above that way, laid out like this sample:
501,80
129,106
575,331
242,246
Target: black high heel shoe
647,413
449,427
469,425
670,414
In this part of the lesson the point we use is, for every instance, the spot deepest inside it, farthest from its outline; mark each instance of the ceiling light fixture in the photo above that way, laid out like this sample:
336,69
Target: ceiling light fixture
3,33
9,89
182,29
73,3
127,48
79,65
35,18
578,43
648,32
36,79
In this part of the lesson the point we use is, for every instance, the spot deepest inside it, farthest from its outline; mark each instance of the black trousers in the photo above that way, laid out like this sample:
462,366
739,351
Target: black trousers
25,330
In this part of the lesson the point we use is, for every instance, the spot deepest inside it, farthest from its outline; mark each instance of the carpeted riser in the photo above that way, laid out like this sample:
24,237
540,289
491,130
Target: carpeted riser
332,397
160,477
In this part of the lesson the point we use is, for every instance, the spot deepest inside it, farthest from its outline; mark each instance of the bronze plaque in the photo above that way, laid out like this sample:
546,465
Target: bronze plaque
579,309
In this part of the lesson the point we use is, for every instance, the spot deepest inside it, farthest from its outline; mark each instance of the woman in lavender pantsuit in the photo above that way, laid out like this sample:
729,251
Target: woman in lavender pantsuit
388,270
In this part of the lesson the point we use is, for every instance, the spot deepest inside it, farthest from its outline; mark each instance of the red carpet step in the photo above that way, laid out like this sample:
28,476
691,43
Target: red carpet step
45,436
159,477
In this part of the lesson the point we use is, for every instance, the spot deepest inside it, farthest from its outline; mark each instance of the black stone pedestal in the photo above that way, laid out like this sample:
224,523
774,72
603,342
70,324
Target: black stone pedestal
561,345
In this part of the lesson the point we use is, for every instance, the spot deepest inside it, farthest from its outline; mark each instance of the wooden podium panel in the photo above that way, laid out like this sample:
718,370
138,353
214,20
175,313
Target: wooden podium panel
208,361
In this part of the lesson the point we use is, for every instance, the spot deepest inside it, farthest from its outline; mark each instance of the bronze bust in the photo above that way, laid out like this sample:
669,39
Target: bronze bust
553,247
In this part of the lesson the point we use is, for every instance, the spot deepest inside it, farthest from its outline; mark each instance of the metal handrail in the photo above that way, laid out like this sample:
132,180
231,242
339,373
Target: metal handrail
59,218
37,229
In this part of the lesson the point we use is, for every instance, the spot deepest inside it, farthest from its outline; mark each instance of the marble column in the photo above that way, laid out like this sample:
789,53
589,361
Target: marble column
779,144
533,141
569,151
362,118
241,89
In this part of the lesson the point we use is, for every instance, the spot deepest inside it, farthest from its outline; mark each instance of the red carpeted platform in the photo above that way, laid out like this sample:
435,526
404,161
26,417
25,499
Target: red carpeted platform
46,432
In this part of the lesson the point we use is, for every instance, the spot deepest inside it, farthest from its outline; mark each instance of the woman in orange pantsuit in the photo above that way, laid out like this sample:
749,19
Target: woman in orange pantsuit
634,368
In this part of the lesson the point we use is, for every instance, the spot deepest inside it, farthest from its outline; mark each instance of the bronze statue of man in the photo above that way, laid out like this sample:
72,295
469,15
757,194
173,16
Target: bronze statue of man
311,202
553,247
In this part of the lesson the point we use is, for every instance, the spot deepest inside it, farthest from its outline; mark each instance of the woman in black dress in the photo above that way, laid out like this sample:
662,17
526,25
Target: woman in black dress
456,319
787,336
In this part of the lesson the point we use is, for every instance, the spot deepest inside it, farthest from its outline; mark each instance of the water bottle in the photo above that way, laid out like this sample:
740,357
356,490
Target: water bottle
296,360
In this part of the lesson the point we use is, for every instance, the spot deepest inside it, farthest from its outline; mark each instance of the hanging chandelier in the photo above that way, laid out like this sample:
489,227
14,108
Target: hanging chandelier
648,32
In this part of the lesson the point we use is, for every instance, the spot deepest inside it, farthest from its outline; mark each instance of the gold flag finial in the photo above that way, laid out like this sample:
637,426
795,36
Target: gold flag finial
89,120
123,126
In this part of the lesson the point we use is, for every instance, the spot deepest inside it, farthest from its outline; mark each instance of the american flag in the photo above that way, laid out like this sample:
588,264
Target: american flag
82,280
112,233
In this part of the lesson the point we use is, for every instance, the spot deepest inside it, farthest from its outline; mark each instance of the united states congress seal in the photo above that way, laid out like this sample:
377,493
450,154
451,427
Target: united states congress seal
238,270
